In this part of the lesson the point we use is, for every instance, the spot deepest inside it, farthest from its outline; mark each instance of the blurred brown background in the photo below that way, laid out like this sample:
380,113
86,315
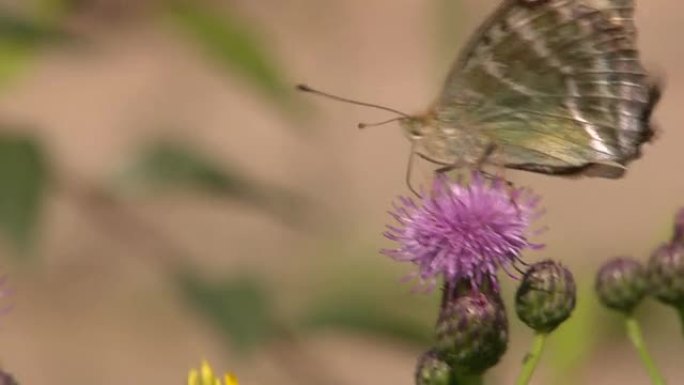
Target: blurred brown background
97,294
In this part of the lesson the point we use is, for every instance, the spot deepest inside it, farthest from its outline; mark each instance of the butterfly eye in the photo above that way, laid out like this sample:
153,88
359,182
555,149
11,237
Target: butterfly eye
413,128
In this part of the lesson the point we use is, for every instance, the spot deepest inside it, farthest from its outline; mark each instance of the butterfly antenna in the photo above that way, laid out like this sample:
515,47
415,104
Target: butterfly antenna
305,88
364,125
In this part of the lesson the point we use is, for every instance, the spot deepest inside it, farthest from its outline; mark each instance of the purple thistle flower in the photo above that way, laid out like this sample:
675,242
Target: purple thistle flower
464,230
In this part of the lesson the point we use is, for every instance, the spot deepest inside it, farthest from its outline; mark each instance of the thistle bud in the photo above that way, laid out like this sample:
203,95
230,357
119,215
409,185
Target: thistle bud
621,284
472,332
546,296
666,274
432,370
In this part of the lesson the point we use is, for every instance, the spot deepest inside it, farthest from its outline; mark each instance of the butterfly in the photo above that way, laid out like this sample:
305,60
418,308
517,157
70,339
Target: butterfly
548,86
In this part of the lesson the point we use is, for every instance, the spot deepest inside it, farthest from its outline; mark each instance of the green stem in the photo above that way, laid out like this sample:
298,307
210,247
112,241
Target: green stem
532,359
634,334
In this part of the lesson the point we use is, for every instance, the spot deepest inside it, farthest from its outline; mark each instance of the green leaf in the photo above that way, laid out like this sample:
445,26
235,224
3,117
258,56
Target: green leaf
166,165
240,309
233,43
358,292
20,40
23,175
366,315
53,11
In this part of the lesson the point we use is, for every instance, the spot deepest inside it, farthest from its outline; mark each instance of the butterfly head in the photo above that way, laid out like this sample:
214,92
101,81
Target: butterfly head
415,127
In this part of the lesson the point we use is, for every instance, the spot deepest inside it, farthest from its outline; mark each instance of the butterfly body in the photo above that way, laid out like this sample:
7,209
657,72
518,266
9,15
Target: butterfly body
550,86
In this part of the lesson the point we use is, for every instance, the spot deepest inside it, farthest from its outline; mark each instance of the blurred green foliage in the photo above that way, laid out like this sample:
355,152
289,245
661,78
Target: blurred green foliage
165,166
360,292
20,40
367,315
240,309
23,179
233,43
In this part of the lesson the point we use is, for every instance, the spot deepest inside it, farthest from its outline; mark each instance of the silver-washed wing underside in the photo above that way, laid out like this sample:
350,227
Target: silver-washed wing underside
557,86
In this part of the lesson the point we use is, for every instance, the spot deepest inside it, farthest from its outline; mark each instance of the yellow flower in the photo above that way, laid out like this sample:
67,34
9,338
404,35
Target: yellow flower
230,379
205,376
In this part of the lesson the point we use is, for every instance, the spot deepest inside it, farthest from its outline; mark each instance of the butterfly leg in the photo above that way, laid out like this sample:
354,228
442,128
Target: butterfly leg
409,170
484,157
498,175
500,172
409,173
481,161
445,167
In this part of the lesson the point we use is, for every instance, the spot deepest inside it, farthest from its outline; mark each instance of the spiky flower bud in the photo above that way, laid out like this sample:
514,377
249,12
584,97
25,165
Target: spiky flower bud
666,274
432,370
546,296
472,332
621,284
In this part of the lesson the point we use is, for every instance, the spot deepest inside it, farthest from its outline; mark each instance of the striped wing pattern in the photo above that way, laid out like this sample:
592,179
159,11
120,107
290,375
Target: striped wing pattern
555,85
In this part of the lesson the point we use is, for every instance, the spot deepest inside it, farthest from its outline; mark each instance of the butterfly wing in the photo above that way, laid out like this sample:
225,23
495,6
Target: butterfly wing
556,85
